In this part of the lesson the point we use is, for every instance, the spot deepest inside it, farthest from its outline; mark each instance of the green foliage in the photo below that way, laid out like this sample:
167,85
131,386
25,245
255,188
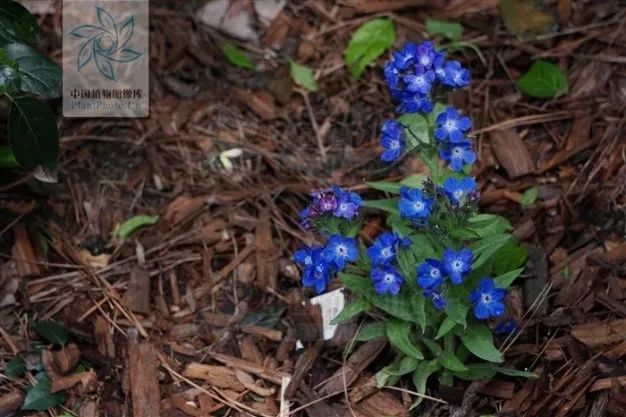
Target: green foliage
399,335
415,128
31,126
353,309
236,56
371,331
367,43
543,80
39,398
477,339
529,197
16,367
134,223
53,332
451,30
303,76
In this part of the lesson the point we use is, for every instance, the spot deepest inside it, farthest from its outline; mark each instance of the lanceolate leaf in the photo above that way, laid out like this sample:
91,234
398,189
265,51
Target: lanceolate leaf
477,339
446,326
38,74
420,377
398,333
32,130
351,310
505,280
368,42
372,331
17,24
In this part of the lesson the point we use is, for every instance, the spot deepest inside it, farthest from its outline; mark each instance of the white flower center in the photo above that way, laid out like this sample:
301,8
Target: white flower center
485,298
308,260
386,253
341,250
449,125
395,144
457,265
435,273
418,205
388,278
458,194
457,152
425,60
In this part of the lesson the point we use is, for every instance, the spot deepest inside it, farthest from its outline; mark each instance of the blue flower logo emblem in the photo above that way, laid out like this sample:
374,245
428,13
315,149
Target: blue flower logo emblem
105,44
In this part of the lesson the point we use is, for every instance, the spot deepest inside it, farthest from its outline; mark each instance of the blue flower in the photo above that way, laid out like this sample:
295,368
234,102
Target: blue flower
392,140
429,274
457,264
488,299
317,275
412,102
506,327
421,81
451,126
348,203
458,154
435,296
413,204
384,249
392,75
339,250
425,54
305,255
387,280
457,189
403,58
455,75
439,64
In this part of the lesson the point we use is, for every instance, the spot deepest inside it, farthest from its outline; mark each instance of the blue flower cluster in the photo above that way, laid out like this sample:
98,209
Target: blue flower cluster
431,274
382,253
334,202
320,263
413,72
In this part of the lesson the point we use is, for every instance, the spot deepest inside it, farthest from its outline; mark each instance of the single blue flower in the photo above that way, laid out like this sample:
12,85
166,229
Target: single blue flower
383,250
425,54
339,250
457,264
405,57
506,327
458,154
451,126
421,81
387,280
392,140
348,203
429,274
435,296
488,299
305,256
413,103
455,75
457,189
392,75
439,64
414,204
318,275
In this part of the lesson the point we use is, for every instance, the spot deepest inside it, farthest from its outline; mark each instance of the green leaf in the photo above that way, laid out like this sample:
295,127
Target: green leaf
32,130
53,332
488,224
371,331
431,117
510,256
38,397
477,339
505,280
401,306
515,372
485,248
38,74
368,42
303,76
451,30
387,186
543,80
385,376
446,327
7,158
415,181
529,197
416,129
456,308
420,377
17,24
450,361
351,310
406,365
236,56
134,223
476,371
387,204
9,75
398,332
16,367
356,283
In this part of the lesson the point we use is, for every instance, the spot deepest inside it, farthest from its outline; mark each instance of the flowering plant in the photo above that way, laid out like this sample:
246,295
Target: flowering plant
440,274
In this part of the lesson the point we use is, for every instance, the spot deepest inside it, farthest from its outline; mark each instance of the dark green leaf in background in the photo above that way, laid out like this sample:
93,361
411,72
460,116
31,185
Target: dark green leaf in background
38,397
15,367
9,75
368,42
53,332
236,56
371,331
7,159
451,30
38,74
17,24
543,80
32,130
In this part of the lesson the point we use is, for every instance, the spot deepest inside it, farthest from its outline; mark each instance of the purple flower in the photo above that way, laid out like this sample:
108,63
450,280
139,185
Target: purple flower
488,299
384,249
458,154
387,280
414,204
457,189
452,126
392,140
429,274
340,250
348,203
457,264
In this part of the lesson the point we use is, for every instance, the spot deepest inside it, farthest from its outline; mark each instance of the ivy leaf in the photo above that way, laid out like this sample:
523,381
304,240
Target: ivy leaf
398,332
53,332
420,377
451,30
32,130
17,24
529,197
371,331
477,339
38,397
38,74
351,310
368,42
303,76
543,80
16,367
416,129
236,56
134,223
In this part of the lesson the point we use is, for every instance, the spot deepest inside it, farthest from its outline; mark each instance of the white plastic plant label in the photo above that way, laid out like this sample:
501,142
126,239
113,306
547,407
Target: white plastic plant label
331,304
